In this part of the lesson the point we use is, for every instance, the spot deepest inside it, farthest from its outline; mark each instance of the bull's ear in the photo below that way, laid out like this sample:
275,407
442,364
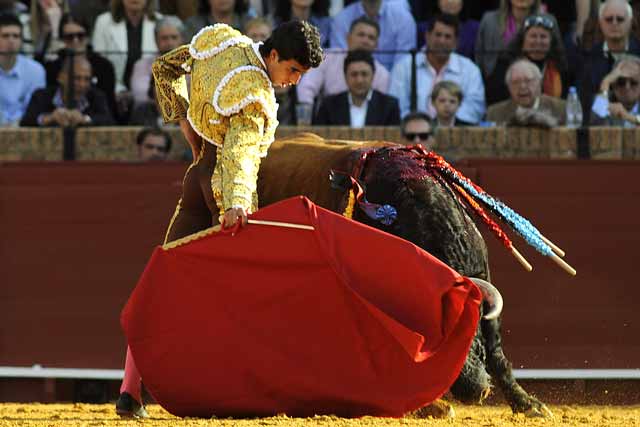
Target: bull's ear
339,180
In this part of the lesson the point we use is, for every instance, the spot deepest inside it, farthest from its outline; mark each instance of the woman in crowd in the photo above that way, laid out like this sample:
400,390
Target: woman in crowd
210,12
44,27
538,41
74,33
499,27
315,12
123,35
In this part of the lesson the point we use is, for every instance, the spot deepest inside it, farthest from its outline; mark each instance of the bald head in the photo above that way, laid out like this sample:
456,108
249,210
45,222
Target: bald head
82,75
524,82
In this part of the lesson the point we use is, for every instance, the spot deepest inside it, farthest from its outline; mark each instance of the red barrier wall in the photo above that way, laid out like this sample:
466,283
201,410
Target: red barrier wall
75,238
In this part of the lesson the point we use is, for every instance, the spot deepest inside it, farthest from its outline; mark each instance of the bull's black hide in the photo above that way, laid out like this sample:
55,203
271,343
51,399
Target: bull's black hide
429,215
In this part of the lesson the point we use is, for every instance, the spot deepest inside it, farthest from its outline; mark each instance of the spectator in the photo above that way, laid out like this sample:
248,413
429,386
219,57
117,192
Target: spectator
437,63
527,106
315,12
49,106
615,21
74,32
123,36
468,28
88,10
258,29
499,27
262,8
45,27
184,9
168,34
328,78
538,42
22,12
571,17
446,98
360,105
416,129
154,144
19,76
14,7
397,28
619,104
230,12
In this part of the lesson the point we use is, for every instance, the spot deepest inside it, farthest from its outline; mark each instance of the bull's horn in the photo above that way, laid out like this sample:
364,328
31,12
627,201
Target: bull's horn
491,296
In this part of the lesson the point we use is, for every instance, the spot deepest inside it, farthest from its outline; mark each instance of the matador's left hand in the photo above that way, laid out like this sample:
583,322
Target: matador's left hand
233,215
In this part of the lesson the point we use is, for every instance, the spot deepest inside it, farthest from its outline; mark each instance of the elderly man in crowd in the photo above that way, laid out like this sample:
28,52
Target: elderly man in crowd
328,78
168,34
618,103
615,18
360,105
50,106
527,106
19,76
439,62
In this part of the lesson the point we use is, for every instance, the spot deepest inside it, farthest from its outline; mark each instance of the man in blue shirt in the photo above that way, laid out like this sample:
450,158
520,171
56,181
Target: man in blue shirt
438,63
397,27
19,75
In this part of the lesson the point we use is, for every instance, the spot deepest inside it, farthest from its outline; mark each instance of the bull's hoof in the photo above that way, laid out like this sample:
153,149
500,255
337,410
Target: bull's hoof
438,409
540,411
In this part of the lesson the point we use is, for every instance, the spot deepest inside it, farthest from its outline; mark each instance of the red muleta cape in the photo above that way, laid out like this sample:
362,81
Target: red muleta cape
344,319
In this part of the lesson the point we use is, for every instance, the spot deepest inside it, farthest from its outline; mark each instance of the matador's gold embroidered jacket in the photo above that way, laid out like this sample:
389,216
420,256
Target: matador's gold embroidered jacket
231,105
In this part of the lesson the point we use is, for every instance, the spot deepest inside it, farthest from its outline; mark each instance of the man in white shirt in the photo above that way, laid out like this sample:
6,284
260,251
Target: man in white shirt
328,79
438,63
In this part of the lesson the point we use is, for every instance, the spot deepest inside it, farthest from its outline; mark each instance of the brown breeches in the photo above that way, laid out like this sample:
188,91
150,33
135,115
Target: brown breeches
197,209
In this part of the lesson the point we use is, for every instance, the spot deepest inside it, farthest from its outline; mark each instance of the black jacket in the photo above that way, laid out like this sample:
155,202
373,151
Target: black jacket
382,110
595,67
102,69
42,103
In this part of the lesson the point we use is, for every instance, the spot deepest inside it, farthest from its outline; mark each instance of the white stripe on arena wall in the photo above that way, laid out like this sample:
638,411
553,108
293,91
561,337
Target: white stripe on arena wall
37,371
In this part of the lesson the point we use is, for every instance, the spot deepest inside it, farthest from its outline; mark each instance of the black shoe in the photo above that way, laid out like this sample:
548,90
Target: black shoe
128,407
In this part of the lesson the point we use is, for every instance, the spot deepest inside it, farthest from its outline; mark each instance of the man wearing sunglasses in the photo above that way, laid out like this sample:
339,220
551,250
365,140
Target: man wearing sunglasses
614,18
617,104
416,129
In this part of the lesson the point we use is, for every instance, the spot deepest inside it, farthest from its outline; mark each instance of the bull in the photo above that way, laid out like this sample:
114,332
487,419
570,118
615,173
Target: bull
428,215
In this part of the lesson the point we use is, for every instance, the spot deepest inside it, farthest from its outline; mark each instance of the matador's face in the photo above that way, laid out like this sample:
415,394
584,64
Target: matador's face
283,72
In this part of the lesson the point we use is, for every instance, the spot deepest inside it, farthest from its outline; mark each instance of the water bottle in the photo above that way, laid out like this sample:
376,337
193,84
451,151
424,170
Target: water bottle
574,109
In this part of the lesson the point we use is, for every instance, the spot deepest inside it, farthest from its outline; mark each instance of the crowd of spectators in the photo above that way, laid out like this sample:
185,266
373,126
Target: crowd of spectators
421,65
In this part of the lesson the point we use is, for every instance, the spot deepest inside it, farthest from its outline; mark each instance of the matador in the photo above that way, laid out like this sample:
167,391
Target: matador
229,117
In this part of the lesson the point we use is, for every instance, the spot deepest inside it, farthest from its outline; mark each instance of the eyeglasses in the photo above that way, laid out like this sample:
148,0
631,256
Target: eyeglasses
538,21
70,36
617,18
423,136
622,82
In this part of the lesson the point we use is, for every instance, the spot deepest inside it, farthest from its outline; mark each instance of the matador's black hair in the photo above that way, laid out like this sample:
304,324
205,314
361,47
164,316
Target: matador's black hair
297,40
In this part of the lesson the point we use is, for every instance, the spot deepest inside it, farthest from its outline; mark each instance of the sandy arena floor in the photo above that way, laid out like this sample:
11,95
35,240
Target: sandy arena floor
77,415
